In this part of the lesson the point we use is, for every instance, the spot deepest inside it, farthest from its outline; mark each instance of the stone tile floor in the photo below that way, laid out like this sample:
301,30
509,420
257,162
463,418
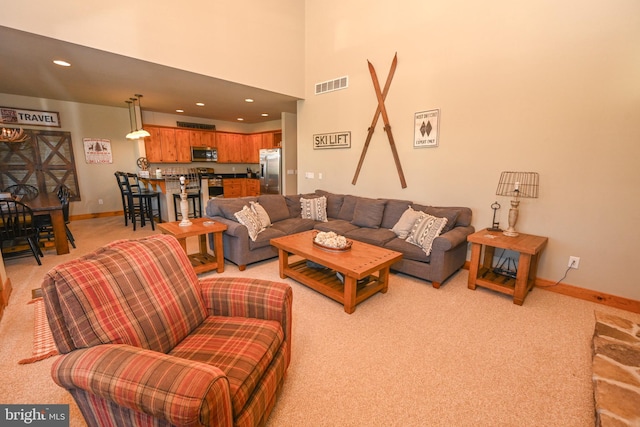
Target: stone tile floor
616,371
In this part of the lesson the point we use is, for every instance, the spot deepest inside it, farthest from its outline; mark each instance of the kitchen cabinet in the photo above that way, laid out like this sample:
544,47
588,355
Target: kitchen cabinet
240,187
271,139
252,187
230,147
251,148
173,145
161,146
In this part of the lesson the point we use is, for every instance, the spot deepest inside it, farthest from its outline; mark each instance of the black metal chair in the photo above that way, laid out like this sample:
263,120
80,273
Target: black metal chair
45,224
16,227
26,191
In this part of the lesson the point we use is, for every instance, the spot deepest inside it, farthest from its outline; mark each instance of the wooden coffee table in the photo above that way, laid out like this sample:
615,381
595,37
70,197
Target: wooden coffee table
362,261
201,261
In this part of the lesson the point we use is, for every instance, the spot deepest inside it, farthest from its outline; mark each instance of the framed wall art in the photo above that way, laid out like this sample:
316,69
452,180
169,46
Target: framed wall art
426,129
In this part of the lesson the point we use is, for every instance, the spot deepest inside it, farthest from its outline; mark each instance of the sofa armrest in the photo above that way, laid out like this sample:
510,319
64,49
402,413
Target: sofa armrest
452,238
246,297
181,391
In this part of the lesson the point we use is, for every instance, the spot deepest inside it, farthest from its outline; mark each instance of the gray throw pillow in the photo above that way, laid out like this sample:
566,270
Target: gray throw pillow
368,213
404,225
275,205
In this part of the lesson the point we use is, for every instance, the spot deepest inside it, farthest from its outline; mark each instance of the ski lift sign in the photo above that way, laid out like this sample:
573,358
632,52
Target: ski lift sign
322,141
426,129
97,150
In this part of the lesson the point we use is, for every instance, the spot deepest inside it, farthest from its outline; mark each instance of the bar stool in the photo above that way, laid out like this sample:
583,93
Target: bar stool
192,187
141,202
193,199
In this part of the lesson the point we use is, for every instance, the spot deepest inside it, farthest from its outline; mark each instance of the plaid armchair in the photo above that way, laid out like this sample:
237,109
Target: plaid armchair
145,342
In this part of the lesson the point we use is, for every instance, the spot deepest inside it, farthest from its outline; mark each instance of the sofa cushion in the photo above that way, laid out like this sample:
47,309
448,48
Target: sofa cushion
275,205
373,236
261,213
347,208
393,210
315,209
264,238
368,212
403,227
249,219
338,226
229,207
425,230
451,214
216,342
409,251
293,204
334,202
294,225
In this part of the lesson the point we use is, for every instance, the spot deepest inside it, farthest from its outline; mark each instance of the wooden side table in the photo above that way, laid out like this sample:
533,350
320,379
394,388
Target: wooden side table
201,261
527,245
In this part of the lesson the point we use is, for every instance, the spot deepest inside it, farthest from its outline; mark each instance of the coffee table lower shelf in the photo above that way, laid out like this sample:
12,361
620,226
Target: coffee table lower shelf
325,281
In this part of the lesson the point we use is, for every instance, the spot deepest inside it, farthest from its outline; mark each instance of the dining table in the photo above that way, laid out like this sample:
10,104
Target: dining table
49,203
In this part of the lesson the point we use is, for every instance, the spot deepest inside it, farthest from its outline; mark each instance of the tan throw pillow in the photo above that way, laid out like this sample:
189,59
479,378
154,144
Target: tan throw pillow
405,223
425,230
315,209
262,214
250,220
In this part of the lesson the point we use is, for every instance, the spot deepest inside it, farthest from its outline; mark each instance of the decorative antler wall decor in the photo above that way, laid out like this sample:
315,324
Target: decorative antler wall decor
13,135
381,110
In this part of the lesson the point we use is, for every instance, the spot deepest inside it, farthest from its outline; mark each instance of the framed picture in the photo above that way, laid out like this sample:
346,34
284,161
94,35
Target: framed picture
426,129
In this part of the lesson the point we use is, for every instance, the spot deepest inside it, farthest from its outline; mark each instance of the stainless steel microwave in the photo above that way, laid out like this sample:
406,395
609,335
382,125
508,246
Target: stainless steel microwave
204,154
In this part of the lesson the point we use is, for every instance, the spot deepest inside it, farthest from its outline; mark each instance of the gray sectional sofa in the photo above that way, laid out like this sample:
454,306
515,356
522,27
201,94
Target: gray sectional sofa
358,218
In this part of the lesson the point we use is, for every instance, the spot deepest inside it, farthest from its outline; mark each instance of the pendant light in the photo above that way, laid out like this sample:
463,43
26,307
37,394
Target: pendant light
131,135
140,131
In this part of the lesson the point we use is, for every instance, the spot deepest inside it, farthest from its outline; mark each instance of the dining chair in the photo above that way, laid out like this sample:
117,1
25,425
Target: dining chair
16,227
44,223
26,191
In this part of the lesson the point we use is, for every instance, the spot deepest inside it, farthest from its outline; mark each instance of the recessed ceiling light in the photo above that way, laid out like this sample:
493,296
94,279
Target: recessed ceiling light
61,63
248,100
240,119
179,111
200,104
264,115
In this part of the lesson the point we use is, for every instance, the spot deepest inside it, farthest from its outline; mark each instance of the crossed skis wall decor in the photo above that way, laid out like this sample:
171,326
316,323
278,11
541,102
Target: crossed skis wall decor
381,110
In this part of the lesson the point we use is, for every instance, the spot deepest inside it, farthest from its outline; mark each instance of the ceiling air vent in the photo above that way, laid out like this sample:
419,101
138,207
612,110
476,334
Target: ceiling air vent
331,85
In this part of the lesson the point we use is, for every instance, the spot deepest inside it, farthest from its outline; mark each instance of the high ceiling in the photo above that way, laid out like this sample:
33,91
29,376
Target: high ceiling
103,78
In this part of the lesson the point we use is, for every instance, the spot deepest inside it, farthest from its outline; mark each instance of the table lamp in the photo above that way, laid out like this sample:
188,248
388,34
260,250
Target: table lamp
517,185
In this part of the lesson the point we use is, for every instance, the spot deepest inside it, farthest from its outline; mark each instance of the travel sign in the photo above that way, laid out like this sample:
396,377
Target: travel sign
16,116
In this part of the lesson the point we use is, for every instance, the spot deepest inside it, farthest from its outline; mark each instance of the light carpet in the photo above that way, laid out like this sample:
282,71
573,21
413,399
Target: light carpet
415,356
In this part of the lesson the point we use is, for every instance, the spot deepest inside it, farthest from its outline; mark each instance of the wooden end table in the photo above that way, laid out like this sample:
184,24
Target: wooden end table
362,261
527,245
201,261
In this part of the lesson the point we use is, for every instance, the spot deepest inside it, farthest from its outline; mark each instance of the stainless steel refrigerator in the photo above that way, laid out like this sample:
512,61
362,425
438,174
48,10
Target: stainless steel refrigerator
270,171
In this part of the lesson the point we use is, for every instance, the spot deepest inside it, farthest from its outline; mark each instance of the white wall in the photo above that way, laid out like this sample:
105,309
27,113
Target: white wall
255,43
550,87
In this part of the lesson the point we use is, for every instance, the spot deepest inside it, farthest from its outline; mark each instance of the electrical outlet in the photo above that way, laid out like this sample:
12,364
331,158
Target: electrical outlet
100,201
574,262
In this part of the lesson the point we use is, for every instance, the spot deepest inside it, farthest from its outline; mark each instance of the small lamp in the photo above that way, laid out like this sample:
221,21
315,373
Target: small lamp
517,185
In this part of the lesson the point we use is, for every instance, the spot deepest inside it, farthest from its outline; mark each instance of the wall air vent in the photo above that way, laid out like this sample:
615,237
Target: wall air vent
195,126
332,85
